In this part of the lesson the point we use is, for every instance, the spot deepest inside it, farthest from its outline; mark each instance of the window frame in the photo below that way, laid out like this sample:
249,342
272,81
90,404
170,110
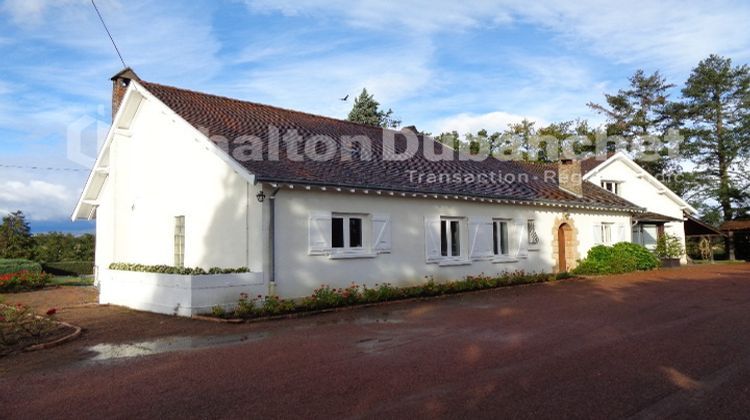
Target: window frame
615,186
346,233
449,221
497,243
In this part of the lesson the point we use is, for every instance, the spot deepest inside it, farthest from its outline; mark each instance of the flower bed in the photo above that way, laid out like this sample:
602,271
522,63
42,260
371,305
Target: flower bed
168,269
22,281
326,297
21,328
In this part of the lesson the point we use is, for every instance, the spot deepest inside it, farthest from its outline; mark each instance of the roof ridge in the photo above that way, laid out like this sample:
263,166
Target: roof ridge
338,120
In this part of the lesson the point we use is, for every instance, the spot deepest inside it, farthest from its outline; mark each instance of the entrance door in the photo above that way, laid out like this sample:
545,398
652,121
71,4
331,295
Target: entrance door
561,242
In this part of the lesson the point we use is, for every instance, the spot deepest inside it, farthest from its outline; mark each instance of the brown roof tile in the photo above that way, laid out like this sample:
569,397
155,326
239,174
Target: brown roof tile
232,118
735,225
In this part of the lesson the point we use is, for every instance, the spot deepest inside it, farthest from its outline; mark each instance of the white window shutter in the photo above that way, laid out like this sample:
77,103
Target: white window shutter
432,239
597,234
620,233
381,233
319,233
480,238
518,240
523,237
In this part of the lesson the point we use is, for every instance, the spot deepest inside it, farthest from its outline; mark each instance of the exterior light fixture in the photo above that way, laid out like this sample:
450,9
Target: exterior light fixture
260,196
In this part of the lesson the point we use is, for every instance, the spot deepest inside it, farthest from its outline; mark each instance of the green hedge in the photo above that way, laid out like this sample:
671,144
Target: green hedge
623,257
69,268
167,269
16,265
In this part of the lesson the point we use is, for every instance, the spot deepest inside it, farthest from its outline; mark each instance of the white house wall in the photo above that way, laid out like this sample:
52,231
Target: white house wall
161,171
298,273
639,191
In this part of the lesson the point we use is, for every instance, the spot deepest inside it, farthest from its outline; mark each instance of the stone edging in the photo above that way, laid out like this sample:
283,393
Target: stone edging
72,336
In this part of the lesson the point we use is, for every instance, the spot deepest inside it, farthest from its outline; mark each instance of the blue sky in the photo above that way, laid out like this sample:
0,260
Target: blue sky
441,65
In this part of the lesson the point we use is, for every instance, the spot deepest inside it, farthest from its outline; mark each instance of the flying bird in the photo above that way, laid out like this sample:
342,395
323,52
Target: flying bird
344,98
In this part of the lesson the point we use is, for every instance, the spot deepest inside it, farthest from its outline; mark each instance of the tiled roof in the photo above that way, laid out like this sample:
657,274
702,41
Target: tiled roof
656,217
734,225
232,118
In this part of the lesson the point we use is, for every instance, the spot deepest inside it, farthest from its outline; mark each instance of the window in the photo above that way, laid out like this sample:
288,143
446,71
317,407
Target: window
645,234
606,233
531,229
611,186
500,237
179,241
450,237
346,231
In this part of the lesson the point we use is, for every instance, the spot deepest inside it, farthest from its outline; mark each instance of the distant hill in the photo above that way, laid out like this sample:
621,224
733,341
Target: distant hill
62,225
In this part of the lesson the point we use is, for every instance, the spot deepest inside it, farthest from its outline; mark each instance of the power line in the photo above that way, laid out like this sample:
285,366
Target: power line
108,33
44,168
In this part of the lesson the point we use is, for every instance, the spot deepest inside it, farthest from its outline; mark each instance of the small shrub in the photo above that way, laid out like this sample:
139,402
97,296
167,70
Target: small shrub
19,322
272,305
669,246
218,311
15,265
246,307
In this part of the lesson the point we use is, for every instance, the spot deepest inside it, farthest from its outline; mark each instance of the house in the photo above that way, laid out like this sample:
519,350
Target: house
191,179
664,211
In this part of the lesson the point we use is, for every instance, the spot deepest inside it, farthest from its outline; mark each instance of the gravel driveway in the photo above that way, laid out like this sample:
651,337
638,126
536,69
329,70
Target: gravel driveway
667,343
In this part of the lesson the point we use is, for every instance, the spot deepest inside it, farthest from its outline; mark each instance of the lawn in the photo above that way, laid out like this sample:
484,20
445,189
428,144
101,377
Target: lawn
71,281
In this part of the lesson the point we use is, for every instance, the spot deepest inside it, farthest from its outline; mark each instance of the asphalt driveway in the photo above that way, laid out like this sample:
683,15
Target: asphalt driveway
672,343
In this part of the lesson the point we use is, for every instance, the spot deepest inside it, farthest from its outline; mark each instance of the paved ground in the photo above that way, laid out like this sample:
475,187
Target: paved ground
673,343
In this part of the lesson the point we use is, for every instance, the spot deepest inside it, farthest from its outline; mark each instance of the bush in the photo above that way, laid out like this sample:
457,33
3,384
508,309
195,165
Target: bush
22,281
69,268
16,265
669,246
623,257
168,269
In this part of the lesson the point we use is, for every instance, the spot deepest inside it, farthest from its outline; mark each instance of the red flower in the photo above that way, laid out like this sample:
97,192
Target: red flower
51,312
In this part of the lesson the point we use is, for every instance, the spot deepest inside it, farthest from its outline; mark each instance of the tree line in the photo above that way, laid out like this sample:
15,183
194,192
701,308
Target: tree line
16,241
711,114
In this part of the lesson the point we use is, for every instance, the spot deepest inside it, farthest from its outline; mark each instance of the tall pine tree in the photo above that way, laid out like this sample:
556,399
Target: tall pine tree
716,118
15,237
366,110
638,112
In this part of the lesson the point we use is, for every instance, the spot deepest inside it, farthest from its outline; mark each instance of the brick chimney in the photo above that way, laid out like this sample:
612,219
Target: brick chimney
411,128
120,82
569,176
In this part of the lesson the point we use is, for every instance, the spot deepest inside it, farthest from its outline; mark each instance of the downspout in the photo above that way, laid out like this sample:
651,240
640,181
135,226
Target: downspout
272,243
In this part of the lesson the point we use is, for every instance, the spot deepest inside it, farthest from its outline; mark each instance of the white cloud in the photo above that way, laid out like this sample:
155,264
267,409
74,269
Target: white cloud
31,12
40,200
314,84
161,40
674,34
420,16
496,121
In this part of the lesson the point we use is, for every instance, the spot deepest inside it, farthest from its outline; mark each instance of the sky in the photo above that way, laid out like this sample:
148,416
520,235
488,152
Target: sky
440,65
